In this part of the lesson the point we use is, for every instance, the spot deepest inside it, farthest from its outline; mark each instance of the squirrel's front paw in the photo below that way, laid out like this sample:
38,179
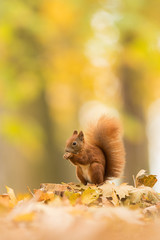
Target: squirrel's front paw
67,155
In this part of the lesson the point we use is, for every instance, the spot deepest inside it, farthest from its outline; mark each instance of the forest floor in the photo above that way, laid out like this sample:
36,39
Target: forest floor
74,211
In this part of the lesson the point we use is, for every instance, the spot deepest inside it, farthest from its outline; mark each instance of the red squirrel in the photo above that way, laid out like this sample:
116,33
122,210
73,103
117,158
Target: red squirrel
100,154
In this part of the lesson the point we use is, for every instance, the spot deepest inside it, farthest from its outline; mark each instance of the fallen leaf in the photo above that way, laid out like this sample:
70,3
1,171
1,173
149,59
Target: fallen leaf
123,190
107,189
89,196
43,196
13,200
136,195
141,173
4,203
24,196
72,197
58,189
144,193
143,179
5,200
148,180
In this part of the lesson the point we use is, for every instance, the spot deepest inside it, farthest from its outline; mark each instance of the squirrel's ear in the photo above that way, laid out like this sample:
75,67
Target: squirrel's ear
75,132
81,136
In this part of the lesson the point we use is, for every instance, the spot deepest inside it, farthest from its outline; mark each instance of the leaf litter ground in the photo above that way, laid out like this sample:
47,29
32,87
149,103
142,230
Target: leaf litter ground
74,211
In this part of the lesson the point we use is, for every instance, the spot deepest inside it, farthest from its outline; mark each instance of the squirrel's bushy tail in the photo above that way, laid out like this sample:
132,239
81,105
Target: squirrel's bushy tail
107,135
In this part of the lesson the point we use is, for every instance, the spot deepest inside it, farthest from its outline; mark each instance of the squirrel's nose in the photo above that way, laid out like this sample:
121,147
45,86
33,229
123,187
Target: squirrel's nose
66,149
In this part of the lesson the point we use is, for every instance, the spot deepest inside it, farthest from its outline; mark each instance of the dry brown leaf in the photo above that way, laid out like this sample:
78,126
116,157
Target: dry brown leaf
58,189
143,179
149,180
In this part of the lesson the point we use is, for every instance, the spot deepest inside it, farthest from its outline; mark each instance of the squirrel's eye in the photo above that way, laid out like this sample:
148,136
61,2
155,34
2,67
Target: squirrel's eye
74,143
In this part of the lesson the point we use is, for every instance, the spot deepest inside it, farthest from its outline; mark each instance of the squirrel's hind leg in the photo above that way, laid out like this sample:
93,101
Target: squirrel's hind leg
80,175
97,173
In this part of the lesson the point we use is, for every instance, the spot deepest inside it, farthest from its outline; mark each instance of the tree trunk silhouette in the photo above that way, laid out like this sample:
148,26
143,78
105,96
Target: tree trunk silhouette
46,169
136,151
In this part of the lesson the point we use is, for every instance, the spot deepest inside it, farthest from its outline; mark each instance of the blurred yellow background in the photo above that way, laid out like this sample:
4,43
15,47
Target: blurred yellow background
65,62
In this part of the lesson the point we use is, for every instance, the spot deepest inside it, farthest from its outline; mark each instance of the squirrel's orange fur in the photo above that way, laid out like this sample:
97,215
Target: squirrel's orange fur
99,155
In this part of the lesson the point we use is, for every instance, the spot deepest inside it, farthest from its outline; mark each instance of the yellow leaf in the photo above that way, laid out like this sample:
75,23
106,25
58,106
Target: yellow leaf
11,194
4,203
72,197
27,217
149,180
89,196
5,200
143,179
24,196
43,196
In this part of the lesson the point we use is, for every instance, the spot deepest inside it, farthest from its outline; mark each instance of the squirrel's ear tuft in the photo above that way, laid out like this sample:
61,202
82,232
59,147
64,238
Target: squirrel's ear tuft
81,136
75,132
